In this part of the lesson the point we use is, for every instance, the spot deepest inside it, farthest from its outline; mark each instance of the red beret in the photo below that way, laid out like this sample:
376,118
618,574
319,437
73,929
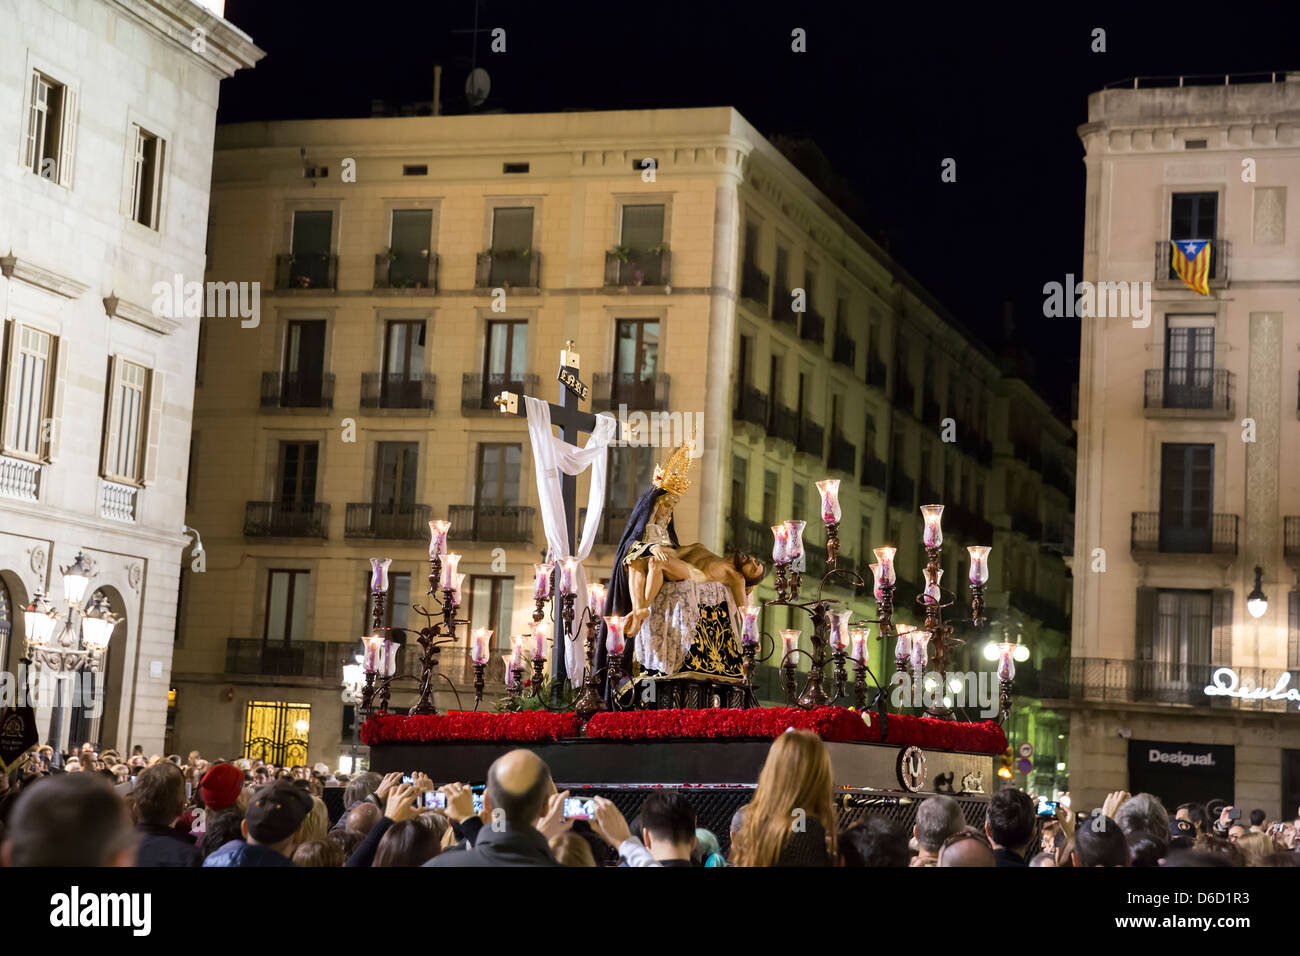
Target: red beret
221,785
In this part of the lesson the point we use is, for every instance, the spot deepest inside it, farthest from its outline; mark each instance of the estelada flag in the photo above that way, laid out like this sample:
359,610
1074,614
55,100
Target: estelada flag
1191,261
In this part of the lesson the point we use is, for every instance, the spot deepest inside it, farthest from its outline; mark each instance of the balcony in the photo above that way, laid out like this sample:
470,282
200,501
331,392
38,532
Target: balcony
637,267
629,389
843,455
1113,680
845,350
308,272
118,501
20,479
812,439
365,519
276,519
477,390
323,659
783,307
902,492
508,269
494,523
295,390
783,424
877,372
751,406
755,286
1188,393
396,270
749,536
1166,278
874,473
1148,537
398,391
813,327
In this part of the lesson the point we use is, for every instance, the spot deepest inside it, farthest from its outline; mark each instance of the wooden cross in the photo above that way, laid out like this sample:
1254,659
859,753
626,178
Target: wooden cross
571,420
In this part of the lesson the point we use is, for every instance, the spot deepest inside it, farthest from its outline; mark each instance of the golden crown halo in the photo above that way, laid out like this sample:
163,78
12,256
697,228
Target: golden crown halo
672,476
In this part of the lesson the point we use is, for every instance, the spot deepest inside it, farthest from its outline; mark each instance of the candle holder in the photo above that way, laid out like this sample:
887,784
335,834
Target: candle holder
782,589
591,702
787,677
567,600
841,675
515,687
614,664
539,665
479,667
832,542
860,685
813,695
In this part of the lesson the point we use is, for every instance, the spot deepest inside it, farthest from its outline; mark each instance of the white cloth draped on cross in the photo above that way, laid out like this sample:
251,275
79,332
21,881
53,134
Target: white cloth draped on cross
551,456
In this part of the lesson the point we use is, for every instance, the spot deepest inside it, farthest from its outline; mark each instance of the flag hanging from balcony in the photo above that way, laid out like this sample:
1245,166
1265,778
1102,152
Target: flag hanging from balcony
1191,261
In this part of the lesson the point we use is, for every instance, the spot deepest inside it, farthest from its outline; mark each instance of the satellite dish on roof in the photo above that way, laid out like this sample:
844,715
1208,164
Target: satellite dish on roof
477,86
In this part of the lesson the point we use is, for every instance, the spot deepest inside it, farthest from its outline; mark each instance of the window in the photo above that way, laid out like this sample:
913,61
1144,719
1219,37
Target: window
631,468
506,360
739,487
51,130
774,379
125,422
403,351
311,245
771,495
512,240
1189,363
809,289
781,275
286,606
837,415
408,252
869,438
491,605
297,485
1183,628
1186,498
1194,216
498,475
304,364
146,177
397,602
643,239
636,361
751,244
745,360
28,391
396,464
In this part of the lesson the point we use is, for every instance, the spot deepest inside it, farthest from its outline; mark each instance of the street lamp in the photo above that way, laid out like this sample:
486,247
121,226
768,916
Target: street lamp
354,678
1257,600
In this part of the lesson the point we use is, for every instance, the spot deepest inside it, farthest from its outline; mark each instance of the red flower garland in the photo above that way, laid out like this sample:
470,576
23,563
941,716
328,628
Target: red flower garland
467,726
835,724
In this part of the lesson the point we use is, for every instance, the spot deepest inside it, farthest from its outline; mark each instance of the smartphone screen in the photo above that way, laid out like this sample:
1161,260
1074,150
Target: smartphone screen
576,808
1047,808
478,803
436,799
407,779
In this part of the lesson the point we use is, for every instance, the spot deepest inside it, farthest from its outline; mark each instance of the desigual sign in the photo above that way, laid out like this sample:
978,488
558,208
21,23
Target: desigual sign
1224,682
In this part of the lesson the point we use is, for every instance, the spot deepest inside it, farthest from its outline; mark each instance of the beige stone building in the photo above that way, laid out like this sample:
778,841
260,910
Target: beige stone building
698,272
1187,449
107,110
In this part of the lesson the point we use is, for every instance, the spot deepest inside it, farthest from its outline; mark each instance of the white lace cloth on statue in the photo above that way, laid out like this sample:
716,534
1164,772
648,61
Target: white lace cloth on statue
666,635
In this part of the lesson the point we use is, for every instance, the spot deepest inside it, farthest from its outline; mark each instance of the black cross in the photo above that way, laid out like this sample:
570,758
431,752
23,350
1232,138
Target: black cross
571,421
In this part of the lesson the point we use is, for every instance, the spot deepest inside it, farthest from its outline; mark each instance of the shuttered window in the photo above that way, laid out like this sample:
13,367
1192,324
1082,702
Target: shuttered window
28,389
124,434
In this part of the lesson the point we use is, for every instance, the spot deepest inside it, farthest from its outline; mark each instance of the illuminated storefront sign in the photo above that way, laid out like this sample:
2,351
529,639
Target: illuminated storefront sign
1225,683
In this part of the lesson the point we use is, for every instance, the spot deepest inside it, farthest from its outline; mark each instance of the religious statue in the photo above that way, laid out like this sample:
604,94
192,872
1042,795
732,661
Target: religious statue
682,603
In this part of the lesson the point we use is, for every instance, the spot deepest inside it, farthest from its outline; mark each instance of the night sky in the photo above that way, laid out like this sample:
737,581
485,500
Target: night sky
886,94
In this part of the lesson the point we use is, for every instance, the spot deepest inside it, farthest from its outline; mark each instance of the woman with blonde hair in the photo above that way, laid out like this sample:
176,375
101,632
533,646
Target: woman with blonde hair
317,824
1255,847
791,820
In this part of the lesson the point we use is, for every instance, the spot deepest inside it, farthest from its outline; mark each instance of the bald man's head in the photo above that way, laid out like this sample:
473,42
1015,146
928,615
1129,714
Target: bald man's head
518,784
362,817
966,849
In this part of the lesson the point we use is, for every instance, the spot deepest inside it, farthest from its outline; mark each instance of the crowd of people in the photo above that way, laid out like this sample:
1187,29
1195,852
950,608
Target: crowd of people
91,809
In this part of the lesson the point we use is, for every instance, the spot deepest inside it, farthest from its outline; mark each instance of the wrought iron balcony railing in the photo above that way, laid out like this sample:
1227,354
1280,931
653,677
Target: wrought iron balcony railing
609,390
751,406
1115,680
642,267
612,522
1164,272
783,423
812,438
478,390
755,285
752,537
306,271
296,390
845,352
508,268
843,455
406,270
813,327
504,523
1206,390
293,658
366,519
380,390
286,519
1207,534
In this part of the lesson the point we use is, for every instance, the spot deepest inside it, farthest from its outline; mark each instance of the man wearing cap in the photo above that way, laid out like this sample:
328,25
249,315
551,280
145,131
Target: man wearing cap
270,828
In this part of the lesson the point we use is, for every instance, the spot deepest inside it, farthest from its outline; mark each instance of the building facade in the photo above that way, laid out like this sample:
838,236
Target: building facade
1187,445
414,267
107,112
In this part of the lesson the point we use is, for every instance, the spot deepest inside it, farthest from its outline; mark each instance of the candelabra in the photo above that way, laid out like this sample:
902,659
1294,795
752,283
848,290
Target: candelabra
592,701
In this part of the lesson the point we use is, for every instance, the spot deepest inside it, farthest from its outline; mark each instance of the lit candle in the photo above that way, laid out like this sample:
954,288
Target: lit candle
858,642
516,652
456,586
749,623
438,537
542,581
886,558
596,598
780,543
877,587
830,491
932,584
379,575
979,564
450,563
614,634
903,647
541,634
933,534
1006,661
840,628
374,651
920,649
479,644
790,637
390,658
568,575
794,541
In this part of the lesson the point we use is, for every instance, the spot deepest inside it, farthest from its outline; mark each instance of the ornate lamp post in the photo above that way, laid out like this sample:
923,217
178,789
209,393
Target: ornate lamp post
79,645
354,678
